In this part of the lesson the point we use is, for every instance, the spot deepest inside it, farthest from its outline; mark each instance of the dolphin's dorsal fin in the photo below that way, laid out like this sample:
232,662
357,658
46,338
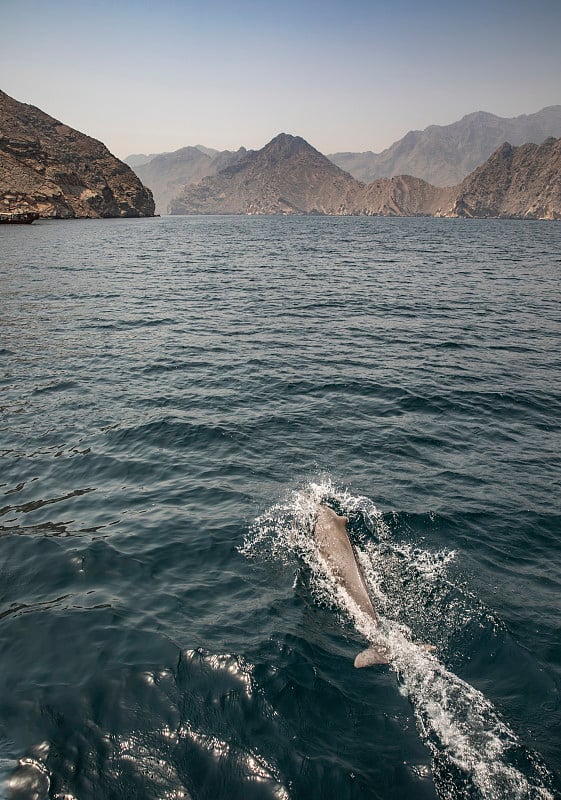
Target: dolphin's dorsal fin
371,656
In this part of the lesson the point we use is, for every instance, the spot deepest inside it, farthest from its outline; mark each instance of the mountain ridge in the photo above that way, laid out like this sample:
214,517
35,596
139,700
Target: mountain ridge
521,182
167,173
442,155
445,154
289,176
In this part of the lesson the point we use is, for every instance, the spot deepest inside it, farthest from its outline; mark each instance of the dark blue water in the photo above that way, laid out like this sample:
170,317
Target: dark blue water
177,394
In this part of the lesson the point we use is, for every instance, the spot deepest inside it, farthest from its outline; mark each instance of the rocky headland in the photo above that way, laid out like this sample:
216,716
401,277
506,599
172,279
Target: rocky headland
402,196
55,171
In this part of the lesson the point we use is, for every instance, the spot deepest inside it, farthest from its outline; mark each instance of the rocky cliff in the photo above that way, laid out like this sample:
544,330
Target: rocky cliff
521,182
287,176
445,154
51,169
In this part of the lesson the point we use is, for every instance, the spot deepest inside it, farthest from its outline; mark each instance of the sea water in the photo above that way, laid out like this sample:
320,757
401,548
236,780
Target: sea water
177,395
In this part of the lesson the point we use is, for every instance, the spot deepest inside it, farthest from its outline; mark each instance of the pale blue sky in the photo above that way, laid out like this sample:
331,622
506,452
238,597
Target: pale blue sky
155,76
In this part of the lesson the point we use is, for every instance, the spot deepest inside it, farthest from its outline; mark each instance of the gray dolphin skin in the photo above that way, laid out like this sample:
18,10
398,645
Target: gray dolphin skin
333,542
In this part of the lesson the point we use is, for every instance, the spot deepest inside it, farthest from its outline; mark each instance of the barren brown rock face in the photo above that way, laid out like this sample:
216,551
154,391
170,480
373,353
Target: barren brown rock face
402,196
47,167
521,182
287,176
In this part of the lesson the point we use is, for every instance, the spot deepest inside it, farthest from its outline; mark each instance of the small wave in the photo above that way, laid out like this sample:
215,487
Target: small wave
250,773
55,386
450,345
130,324
31,777
33,505
169,432
475,754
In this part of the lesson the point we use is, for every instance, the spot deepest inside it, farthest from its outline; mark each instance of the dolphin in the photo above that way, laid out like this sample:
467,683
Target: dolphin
330,533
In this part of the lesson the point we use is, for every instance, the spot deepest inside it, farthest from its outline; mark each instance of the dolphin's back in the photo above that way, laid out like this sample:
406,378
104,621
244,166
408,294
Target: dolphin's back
334,546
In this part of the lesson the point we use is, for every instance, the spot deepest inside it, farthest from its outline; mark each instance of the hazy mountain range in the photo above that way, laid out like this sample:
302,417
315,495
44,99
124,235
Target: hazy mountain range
441,154
139,159
289,176
55,171
51,169
168,173
445,154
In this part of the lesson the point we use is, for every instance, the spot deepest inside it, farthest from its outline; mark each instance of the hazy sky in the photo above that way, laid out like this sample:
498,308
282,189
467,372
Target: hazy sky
353,75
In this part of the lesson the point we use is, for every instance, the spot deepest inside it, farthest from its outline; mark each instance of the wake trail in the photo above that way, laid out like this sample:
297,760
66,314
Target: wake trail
472,747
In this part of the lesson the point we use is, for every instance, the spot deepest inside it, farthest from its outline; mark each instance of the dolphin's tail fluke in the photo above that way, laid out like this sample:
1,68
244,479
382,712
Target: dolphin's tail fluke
371,656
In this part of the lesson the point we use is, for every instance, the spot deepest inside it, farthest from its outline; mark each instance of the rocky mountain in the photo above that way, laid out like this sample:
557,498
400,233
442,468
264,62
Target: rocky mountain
402,196
287,176
521,182
138,159
51,169
168,173
210,151
445,154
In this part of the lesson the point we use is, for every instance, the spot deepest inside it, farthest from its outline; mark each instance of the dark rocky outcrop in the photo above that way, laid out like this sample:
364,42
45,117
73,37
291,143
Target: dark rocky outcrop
51,169
517,182
445,154
287,176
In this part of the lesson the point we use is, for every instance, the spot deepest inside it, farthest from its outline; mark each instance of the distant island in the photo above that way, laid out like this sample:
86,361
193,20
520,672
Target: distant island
51,170
54,171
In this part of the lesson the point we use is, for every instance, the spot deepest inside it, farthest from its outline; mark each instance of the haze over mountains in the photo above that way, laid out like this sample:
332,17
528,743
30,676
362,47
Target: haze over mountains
444,154
139,159
52,170
440,155
289,176
167,174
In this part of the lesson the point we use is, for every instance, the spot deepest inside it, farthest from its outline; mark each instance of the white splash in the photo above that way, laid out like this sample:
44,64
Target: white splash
457,723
